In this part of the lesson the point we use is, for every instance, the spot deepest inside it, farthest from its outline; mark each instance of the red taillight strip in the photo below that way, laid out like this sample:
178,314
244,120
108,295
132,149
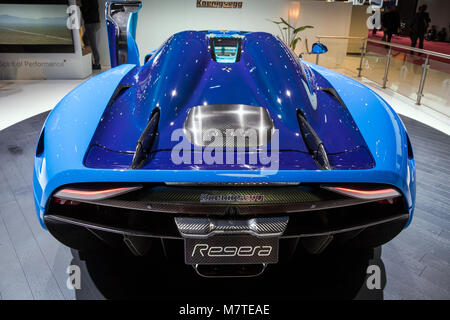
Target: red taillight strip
365,194
83,194
92,192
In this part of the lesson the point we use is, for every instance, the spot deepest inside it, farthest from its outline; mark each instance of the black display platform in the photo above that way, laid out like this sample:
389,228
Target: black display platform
415,265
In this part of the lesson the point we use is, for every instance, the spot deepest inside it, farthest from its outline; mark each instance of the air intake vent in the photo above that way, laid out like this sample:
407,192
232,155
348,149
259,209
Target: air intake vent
332,92
145,142
118,92
313,143
40,145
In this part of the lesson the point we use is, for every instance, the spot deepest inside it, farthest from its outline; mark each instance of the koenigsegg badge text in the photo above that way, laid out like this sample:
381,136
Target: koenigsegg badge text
231,198
219,4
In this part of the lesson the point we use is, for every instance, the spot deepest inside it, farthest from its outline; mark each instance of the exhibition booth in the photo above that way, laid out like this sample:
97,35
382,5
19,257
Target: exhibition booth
42,41
157,148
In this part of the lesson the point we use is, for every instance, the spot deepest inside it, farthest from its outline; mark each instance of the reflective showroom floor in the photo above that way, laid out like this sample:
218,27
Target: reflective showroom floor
33,265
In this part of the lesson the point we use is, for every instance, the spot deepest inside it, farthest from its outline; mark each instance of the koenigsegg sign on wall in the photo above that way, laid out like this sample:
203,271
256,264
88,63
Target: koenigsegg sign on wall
219,4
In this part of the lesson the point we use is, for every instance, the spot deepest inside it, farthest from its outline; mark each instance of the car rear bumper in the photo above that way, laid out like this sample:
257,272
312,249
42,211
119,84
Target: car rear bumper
310,216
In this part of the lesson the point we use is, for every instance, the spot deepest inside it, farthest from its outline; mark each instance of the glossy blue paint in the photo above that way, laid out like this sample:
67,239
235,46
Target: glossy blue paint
68,131
319,48
266,75
383,130
266,71
112,32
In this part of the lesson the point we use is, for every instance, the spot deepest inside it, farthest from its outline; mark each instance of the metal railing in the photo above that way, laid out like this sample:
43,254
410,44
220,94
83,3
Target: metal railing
391,45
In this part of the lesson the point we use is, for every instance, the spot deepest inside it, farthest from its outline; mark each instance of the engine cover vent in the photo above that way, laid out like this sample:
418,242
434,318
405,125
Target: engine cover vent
229,126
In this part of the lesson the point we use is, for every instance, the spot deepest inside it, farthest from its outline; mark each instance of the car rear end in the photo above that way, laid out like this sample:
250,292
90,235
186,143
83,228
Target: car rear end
225,229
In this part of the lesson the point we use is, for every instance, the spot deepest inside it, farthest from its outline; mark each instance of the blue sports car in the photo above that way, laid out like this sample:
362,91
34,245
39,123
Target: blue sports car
224,150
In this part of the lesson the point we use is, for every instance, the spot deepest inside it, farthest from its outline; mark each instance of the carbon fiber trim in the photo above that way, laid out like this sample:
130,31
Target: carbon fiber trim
270,195
223,200
181,208
205,227
234,184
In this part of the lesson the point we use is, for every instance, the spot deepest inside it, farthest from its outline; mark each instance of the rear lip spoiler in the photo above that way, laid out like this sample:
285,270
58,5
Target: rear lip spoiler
219,210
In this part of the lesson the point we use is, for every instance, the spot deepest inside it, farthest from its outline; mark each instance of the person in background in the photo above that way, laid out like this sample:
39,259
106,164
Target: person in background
385,17
391,23
442,35
374,31
89,11
419,26
431,34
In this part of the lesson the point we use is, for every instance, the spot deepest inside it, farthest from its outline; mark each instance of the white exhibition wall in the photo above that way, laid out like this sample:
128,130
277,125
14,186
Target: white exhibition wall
159,19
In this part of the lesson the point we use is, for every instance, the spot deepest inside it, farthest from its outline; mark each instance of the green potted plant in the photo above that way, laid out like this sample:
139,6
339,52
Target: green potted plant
289,34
